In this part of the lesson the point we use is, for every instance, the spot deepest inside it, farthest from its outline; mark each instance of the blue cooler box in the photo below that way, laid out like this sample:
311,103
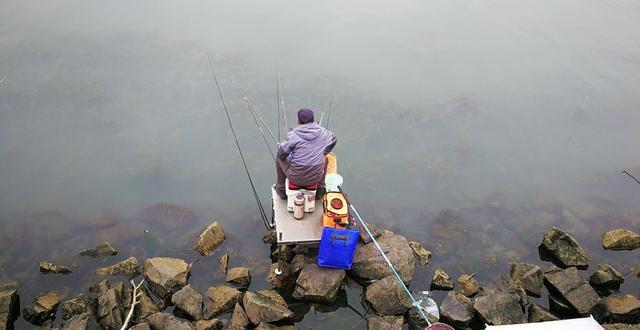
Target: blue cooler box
337,247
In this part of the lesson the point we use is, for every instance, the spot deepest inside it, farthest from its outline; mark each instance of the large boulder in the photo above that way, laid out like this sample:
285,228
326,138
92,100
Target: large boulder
102,250
146,306
84,321
387,296
110,309
9,307
239,319
574,289
219,300
317,283
53,268
499,309
209,240
127,268
42,308
239,276
166,275
623,309
188,303
385,322
79,305
422,255
505,284
529,276
563,250
538,313
166,321
260,308
620,239
606,277
369,264
441,280
457,310
468,285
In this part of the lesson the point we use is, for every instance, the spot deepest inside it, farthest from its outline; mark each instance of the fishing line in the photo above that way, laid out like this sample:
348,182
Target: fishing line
235,136
264,138
257,114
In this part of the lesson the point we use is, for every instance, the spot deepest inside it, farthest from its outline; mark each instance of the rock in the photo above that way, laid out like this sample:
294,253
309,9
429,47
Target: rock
573,288
457,310
189,301
283,253
560,307
529,276
260,308
606,277
364,237
385,322
224,263
499,309
285,280
166,321
468,285
368,264
210,239
43,307
623,309
219,300
9,307
319,284
621,326
7,284
110,309
620,239
422,255
388,297
165,275
141,326
79,305
273,295
52,268
101,287
298,262
636,271
127,268
270,237
239,276
83,321
269,326
146,306
102,250
239,319
441,280
416,322
213,324
563,249
538,313
505,284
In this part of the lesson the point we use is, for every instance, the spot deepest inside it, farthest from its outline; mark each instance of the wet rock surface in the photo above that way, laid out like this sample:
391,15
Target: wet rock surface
224,263
573,288
441,280
621,239
220,299
457,310
146,306
42,307
368,264
538,313
189,302
9,307
364,237
128,268
623,309
210,239
422,255
83,321
141,326
606,277
239,276
499,309
165,275
286,279
260,308
388,297
269,326
317,283
563,250
79,305
110,309
385,322
166,321
53,268
104,249
529,276
468,285
213,324
239,319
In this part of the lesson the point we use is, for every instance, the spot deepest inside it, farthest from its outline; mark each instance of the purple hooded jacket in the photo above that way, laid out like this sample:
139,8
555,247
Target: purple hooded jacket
306,146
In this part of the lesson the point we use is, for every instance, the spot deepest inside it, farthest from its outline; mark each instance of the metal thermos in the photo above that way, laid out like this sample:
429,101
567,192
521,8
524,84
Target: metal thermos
298,207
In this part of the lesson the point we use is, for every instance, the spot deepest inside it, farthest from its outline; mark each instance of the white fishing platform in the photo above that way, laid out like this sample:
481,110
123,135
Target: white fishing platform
308,230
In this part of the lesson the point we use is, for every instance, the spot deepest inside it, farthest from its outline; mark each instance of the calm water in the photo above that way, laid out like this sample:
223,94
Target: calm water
517,116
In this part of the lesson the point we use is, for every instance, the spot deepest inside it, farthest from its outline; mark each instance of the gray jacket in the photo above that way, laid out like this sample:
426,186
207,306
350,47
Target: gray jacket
306,146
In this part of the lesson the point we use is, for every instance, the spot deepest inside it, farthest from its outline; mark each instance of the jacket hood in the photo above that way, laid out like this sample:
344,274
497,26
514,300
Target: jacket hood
308,131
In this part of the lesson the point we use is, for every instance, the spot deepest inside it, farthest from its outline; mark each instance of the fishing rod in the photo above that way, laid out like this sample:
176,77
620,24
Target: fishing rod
264,138
633,177
263,215
257,114
278,100
284,108
330,106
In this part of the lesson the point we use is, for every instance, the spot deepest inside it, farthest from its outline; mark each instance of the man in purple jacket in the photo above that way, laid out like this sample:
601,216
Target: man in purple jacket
301,156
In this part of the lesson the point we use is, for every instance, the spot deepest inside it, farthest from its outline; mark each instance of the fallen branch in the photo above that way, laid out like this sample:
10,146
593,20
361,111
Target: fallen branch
134,302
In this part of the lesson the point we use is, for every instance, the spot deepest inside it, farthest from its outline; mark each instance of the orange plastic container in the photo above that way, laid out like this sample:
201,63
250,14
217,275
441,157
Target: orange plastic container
336,210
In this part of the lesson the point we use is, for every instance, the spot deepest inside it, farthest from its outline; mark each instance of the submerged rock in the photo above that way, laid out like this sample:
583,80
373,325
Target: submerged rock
620,239
219,300
529,276
606,277
79,305
42,308
317,283
441,280
388,297
468,285
261,308
422,255
385,322
538,313
167,217
368,264
563,249
128,268
574,289
110,309
624,309
239,319
457,310
166,321
499,309
240,276
189,302
103,249
210,239
83,321
165,275
53,268
9,307
224,263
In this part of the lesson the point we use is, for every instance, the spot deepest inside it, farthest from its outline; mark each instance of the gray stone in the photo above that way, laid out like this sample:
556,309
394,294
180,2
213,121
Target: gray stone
505,284
83,321
388,297
165,275
623,309
441,280
529,276
422,255
146,306
261,308
219,300
110,309
317,283
7,284
368,264
127,268
224,263
79,305
385,322
273,295
270,237
239,319
573,288
468,285
43,307
563,249
364,237
210,239
9,307
239,276
101,287
620,239
213,324
538,313
166,321
189,301
102,250
499,309
283,253
286,279
606,277
53,268
298,262
457,310
559,306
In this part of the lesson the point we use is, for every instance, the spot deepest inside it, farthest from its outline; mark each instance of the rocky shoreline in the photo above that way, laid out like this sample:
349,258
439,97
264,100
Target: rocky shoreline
166,300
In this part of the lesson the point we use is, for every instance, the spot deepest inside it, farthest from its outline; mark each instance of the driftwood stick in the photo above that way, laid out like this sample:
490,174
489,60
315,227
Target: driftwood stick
134,301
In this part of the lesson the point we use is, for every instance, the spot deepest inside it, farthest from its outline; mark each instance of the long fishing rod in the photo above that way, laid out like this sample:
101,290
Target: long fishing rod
330,106
278,100
235,136
633,177
284,108
257,114
264,138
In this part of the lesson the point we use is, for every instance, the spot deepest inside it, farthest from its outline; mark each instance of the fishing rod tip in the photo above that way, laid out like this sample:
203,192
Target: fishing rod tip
245,97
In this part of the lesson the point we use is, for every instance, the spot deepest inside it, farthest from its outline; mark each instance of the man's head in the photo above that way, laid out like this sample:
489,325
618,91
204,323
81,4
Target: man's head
305,116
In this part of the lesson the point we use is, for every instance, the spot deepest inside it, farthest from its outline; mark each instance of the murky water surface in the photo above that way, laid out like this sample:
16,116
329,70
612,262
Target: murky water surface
513,117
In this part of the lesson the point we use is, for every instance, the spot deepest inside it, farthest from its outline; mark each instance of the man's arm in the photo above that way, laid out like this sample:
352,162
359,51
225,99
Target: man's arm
332,142
285,148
